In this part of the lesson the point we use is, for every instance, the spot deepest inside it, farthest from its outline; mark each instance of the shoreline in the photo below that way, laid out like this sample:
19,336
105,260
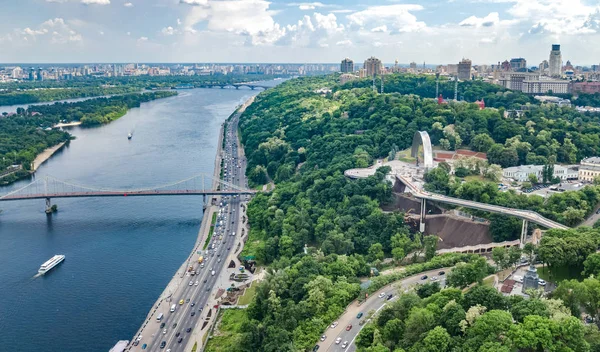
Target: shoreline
68,124
45,155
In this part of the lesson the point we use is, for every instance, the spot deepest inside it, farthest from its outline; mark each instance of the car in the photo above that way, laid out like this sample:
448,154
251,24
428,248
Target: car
219,260
541,282
162,325
228,248
193,303
144,346
207,289
196,283
323,338
187,300
333,325
349,327
390,296
424,277
193,313
204,280
598,211
191,283
316,348
163,344
164,331
359,315
338,340
200,309
381,295
345,344
179,340
188,330
434,278
442,273
177,334
135,343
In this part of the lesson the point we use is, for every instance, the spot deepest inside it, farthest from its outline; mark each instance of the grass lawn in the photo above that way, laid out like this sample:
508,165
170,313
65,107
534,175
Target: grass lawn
474,178
489,281
559,274
248,295
227,334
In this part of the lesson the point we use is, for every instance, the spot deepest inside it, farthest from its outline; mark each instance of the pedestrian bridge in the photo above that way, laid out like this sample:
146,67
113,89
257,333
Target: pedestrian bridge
50,187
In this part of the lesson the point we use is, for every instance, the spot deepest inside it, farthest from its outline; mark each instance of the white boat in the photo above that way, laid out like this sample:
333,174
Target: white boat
51,263
129,136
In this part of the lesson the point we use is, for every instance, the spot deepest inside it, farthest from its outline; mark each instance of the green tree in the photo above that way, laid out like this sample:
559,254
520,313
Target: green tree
428,289
376,252
430,244
500,257
482,143
592,265
419,322
436,340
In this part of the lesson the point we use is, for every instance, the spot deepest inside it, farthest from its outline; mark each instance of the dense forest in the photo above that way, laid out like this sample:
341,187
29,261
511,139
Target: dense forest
27,92
95,111
28,132
302,140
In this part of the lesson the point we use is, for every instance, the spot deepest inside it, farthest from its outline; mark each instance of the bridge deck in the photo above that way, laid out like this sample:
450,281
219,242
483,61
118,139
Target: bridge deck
123,194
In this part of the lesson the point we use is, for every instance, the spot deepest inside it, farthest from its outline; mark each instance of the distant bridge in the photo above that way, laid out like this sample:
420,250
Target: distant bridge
236,86
50,187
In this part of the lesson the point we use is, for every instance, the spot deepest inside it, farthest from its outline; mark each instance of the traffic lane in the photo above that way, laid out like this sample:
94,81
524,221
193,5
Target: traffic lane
373,303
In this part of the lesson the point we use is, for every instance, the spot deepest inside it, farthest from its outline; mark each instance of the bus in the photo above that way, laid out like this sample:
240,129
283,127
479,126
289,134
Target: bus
173,308
159,317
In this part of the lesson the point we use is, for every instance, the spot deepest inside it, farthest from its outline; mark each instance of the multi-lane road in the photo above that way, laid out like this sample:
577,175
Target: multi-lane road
196,290
376,302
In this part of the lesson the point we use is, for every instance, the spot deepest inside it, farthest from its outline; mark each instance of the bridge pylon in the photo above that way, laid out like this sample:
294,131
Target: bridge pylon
48,206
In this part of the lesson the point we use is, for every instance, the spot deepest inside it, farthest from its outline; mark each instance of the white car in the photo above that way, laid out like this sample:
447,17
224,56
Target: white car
164,331
323,338
191,283
196,283
541,282
345,344
434,278
334,324
381,295
338,340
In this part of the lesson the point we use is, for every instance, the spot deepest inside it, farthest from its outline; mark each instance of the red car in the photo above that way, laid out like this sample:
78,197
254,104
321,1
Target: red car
348,327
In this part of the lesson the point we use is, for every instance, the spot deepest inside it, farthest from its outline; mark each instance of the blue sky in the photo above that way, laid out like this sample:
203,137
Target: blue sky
434,31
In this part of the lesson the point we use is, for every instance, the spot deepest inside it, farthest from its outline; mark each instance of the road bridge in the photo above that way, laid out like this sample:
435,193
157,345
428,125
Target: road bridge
236,86
50,187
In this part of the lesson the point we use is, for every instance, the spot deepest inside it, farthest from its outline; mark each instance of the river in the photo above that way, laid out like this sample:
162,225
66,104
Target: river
120,252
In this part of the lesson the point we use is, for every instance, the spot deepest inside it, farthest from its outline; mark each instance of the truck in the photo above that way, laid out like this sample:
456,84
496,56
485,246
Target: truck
173,307
200,259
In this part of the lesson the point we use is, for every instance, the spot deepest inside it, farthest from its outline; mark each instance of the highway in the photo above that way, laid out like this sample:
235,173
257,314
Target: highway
175,334
373,303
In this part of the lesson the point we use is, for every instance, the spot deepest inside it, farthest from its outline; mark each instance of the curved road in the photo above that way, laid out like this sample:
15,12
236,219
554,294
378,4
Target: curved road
373,303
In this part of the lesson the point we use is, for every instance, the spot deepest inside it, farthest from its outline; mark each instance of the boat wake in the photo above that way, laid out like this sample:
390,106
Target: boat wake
36,276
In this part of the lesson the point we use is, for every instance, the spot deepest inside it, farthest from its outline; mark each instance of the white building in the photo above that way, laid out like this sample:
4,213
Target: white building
589,169
555,61
521,173
542,86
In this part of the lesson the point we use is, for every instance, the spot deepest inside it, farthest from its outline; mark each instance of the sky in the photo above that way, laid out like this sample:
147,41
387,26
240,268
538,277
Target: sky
281,31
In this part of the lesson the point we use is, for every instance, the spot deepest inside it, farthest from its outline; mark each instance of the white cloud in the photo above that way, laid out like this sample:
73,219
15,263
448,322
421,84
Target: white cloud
54,30
194,2
570,17
398,18
346,42
488,21
96,2
142,40
307,5
168,31
101,33
382,28
128,4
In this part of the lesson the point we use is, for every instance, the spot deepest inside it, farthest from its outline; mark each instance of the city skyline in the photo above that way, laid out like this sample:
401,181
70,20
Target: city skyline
438,32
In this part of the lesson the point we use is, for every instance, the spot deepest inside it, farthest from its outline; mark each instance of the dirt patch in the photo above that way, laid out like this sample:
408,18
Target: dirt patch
454,231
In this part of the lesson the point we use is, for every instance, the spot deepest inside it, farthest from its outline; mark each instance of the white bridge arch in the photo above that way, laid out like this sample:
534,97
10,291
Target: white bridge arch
422,138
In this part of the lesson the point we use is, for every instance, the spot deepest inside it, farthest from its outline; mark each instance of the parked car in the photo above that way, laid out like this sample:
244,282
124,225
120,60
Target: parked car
345,344
338,340
541,282
382,294
334,324
390,296
424,277
349,327
323,338
441,273
359,315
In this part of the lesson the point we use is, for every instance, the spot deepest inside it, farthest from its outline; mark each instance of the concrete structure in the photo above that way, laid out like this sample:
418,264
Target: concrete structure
585,87
543,67
422,138
555,61
464,70
347,66
518,63
549,99
545,86
589,169
521,173
531,279
347,77
514,80
373,66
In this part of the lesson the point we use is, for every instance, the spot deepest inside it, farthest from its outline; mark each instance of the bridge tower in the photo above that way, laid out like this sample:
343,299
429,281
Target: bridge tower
524,229
422,217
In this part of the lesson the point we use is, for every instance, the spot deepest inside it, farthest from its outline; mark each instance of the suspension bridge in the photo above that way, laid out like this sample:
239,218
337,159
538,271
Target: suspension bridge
50,187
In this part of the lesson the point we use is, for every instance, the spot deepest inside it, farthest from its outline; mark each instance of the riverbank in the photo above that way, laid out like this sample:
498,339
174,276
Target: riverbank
45,155
68,124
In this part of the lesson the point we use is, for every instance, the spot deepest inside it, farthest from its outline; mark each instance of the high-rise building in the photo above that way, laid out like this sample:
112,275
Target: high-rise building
40,76
347,66
373,66
555,61
464,70
413,65
32,74
518,63
543,66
